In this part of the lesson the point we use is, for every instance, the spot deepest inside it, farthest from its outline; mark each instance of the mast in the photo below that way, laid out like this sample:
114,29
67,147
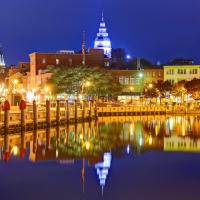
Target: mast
83,49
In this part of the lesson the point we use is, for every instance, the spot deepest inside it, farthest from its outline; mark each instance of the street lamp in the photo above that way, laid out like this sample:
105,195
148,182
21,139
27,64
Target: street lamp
150,87
88,83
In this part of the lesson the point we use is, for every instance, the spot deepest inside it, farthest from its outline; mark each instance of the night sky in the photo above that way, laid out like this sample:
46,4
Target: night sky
154,29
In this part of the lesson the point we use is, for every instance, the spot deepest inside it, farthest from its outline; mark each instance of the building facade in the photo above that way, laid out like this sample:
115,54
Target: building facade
175,74
135,80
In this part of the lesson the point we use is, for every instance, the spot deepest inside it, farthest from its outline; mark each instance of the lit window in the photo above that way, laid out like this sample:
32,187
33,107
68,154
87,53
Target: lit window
153,74
132,81
43,61
121,80
126,82
57,61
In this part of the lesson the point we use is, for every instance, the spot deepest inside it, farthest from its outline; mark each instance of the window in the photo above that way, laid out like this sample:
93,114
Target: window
126,81
193,71
137,81
170,71
121,80
132,81
153,74
159,74
181,71
43,61
57,61
171,81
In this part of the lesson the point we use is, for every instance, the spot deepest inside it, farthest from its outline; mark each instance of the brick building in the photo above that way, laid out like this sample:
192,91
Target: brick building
40,61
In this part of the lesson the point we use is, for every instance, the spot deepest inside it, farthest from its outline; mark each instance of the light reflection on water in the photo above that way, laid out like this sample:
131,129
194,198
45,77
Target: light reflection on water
95,143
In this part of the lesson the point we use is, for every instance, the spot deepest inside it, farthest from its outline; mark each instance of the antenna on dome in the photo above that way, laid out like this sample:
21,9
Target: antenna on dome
102,16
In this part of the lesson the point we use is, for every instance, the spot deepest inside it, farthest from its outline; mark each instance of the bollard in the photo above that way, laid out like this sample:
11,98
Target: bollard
35,123
6,108
58,113
75,111
22,107
47,138
48,115
67,111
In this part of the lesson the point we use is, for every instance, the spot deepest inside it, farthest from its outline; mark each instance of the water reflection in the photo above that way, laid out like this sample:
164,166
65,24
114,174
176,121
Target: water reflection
95,143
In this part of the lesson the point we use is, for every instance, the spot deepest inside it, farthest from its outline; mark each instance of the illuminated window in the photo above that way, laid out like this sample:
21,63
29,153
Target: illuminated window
57,61
43,61
126,81
121,80
132,80
153,74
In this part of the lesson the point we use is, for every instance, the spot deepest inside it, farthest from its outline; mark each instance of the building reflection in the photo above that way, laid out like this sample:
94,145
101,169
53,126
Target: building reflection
95,143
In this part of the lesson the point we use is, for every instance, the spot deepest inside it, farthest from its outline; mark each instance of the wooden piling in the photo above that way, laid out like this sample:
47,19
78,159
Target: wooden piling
90,109
67,110
95,109
83,110
6,121
35,118
23,123
48,115
58,113
75,111
47,138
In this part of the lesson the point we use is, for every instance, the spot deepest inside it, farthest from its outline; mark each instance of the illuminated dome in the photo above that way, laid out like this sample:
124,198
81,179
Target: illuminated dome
2,63
102,40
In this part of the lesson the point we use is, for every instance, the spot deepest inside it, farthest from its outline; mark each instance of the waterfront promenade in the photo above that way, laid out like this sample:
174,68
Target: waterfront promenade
58,112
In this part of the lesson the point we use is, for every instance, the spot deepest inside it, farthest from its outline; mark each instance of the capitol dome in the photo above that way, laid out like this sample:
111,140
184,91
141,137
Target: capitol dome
102,40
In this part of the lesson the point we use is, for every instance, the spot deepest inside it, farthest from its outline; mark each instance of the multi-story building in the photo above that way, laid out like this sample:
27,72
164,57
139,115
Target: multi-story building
177,73
134,80
39,62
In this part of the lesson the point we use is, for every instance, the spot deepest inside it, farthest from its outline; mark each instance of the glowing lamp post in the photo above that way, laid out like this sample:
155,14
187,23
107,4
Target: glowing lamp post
150,88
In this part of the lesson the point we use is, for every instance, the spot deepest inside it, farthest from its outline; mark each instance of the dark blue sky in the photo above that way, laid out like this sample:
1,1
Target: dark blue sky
154,29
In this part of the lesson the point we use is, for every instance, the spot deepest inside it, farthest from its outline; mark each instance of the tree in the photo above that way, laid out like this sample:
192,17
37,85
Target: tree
163,88
150,91
73,81
179,90
193,88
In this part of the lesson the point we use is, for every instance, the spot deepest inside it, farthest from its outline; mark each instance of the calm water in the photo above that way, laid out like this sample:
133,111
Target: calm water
154,158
